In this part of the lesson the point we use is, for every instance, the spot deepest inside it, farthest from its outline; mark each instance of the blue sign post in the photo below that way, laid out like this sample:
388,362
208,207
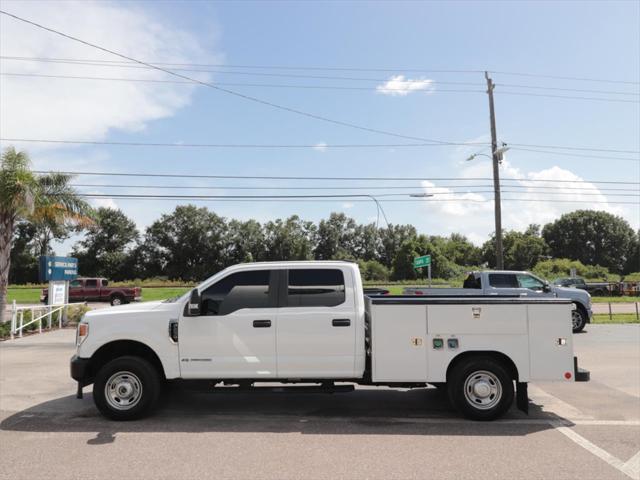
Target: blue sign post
57,268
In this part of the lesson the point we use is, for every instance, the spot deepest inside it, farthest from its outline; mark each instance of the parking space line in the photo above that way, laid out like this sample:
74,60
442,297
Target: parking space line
632,467
626,468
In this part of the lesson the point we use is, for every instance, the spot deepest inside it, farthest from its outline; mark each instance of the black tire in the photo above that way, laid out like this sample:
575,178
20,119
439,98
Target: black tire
132,371
494,374
578,319
117,299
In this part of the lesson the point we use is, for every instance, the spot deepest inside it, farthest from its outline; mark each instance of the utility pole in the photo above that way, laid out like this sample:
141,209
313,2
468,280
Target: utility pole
496,175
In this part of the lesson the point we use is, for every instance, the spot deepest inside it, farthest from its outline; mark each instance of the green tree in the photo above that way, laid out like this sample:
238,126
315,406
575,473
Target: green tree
441,266
24,260
246,242
391,239
25,196
188,244
290,239
633,262
107,245
522,250
373,271
593,237
335,238
458,249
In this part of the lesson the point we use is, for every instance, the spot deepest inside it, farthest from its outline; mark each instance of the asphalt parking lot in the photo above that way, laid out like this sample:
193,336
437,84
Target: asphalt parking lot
574,431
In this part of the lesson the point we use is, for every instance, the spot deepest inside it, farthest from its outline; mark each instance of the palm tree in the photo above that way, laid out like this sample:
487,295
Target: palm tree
25,196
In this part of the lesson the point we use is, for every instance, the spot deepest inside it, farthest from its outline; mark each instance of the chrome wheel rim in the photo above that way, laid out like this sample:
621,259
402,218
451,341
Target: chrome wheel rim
483,390
123,390
116,301
576,319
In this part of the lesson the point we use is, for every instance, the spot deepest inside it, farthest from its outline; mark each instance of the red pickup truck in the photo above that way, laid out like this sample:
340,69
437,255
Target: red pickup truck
97,290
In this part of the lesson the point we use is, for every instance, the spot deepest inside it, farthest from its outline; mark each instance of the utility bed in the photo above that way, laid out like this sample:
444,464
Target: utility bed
414,339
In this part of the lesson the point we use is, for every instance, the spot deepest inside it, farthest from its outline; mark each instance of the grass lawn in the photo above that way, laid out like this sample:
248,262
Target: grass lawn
23,295
151,294
32,295
615,299
616,318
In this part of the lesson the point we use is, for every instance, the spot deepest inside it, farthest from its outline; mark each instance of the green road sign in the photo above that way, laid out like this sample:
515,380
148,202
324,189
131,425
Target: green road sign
423,261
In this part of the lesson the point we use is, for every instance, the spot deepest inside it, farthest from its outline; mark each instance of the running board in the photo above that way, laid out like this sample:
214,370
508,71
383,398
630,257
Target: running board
284,389
208,386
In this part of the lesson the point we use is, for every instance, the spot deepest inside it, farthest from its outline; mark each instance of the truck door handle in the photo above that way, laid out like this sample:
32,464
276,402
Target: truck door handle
340,322
261,323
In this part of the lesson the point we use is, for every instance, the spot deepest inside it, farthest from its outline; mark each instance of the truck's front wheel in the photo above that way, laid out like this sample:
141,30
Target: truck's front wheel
126,388
481,388
578,319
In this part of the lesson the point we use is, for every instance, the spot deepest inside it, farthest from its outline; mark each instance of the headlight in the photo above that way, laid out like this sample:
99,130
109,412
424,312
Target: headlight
82,332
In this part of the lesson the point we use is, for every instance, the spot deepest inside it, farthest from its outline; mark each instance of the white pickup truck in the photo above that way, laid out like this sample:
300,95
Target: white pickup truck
310,323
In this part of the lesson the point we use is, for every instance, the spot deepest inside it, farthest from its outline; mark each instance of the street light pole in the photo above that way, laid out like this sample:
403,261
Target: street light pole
496,176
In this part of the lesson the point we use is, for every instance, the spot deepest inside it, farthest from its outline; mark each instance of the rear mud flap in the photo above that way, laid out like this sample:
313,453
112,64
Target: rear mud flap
522,397
580,374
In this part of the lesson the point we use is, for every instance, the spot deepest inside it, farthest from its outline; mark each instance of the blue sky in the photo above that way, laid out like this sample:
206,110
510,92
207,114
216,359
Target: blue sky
597,40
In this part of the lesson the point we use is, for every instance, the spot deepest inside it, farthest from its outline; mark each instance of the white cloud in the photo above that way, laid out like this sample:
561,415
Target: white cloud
320,147
398,86
475,217
347,205
104,202
53,108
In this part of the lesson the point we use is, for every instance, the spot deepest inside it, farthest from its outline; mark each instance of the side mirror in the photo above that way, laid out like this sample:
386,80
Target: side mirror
546,288
193,307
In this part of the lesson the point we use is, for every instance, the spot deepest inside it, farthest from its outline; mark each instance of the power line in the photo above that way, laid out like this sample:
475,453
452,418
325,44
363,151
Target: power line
325,68
516,146
379,88
261,67
579,155
558,77
563,147
274,177
235,84
225,90
232,145
298,198
369,187
538,87
598,99
163,187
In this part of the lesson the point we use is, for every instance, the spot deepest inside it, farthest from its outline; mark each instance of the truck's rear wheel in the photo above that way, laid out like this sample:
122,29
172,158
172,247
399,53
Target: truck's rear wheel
126,388
117,300
578,319
481,388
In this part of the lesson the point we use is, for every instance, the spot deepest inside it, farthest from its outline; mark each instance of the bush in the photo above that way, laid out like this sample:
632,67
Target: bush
373,271
561,267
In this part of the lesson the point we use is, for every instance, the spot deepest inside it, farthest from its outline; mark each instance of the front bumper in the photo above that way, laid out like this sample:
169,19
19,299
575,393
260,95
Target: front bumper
580,374
79,368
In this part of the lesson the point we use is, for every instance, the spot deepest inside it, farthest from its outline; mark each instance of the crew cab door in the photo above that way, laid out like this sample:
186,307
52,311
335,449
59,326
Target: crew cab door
76,291
91,289
235,334
514,284
316,323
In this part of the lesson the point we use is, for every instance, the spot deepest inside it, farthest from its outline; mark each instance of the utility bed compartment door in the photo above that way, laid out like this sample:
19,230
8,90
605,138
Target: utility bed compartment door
479,319
550,342
399,337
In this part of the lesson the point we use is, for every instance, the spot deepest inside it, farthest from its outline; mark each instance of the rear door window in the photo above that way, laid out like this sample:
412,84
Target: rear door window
503,280
91,283
317,287
236,291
